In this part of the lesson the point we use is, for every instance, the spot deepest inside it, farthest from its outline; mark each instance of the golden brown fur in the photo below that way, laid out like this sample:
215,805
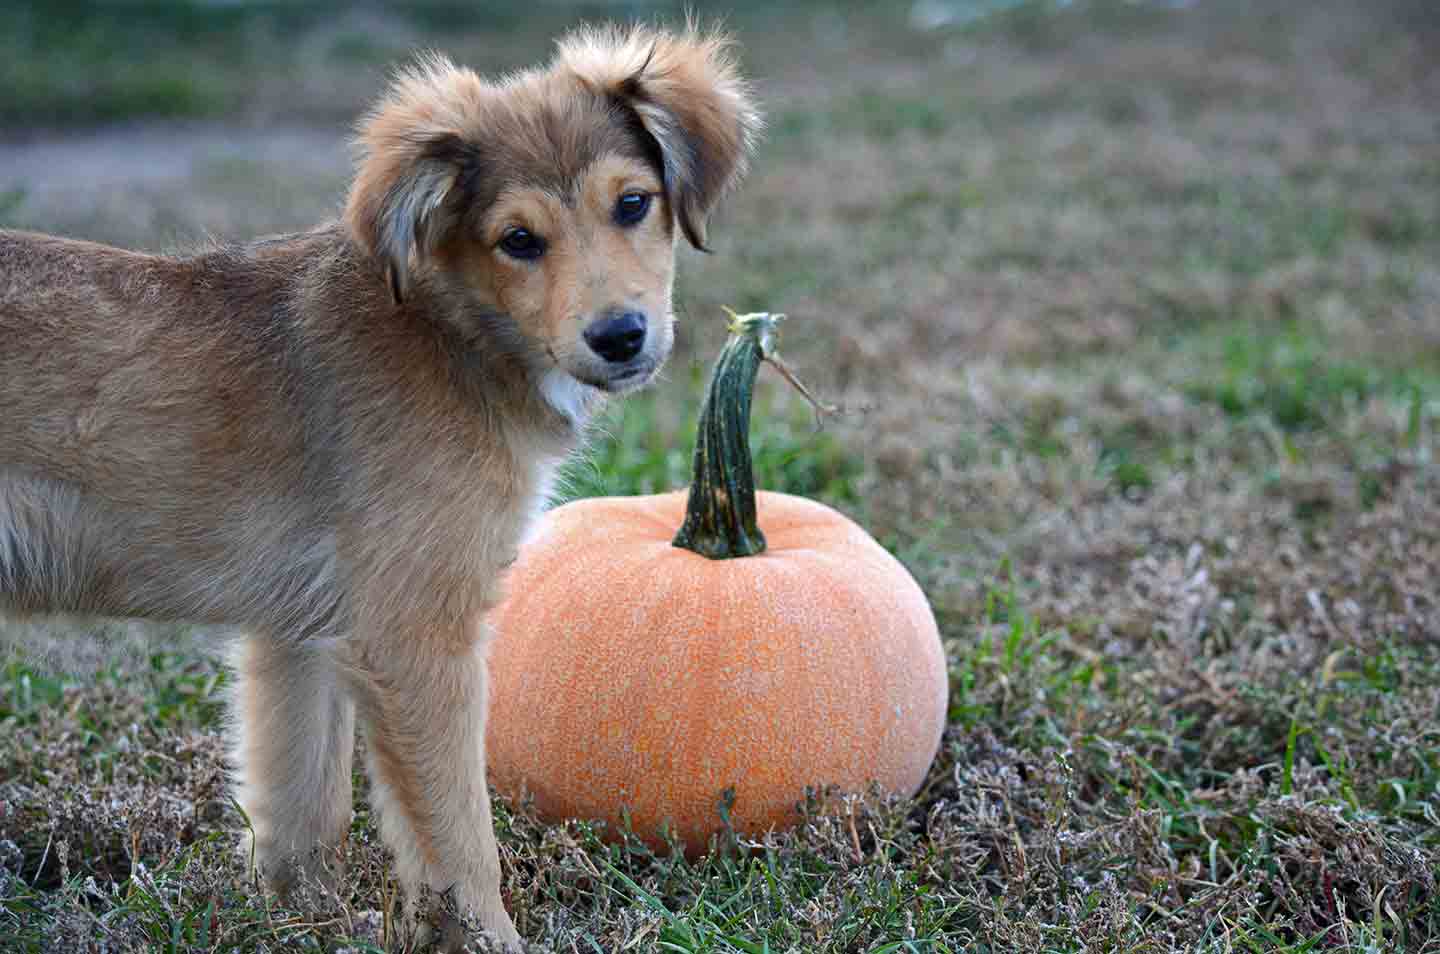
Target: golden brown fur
334,440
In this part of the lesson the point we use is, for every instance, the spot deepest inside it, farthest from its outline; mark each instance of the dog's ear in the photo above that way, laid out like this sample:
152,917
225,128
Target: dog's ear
688,96
411,157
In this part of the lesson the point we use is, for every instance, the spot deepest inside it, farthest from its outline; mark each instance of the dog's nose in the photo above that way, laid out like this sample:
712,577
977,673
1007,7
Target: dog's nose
617,337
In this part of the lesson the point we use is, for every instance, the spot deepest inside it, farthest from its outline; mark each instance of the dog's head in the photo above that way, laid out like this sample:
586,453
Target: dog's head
541,210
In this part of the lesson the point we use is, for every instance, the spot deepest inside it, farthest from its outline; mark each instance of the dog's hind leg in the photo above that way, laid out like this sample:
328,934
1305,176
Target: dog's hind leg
294,743
423,712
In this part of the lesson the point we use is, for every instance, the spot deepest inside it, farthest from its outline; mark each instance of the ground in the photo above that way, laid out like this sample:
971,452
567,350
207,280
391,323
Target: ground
1134,309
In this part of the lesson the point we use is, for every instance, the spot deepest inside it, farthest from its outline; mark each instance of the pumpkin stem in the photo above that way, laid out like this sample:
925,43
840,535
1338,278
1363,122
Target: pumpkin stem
720,518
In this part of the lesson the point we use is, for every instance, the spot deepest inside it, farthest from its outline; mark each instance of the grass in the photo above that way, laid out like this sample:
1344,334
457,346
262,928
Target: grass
647,445
1295,379
73,63
1137,314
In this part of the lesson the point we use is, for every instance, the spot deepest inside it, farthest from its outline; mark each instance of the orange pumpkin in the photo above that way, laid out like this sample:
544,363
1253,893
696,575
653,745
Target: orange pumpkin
636,673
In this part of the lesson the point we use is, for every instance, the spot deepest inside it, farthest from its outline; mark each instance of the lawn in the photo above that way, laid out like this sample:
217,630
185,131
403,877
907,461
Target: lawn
1134,309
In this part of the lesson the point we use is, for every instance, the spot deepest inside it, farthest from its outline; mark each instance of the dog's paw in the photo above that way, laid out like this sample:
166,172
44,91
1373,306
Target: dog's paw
437,925
453,936
301,879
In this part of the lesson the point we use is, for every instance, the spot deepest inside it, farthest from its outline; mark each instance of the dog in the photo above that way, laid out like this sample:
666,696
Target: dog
333,441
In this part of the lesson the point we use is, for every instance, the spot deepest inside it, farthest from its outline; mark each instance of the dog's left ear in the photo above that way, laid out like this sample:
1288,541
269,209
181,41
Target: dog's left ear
688,95
411,158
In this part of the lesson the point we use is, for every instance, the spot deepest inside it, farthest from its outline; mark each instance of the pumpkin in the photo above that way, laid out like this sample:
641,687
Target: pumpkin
642,671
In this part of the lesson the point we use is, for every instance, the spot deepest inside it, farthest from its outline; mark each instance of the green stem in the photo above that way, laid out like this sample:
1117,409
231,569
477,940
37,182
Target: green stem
720,518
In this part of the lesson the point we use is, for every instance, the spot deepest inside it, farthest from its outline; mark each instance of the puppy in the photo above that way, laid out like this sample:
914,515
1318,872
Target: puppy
334,440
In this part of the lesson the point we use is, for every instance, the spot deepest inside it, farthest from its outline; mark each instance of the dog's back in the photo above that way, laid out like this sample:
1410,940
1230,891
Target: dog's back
147,444
96,342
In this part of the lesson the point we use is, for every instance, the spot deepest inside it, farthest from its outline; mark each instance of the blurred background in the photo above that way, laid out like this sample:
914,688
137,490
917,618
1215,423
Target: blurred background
1096,280
1134,308
1080,269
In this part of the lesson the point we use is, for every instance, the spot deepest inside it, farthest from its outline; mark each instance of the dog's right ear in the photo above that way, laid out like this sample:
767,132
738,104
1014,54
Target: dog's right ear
411,156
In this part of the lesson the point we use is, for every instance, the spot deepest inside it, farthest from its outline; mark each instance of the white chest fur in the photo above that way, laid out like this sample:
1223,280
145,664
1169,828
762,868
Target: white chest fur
567,395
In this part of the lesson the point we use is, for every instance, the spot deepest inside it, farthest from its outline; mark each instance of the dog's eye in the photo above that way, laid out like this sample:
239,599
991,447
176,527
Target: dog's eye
631,207
520,243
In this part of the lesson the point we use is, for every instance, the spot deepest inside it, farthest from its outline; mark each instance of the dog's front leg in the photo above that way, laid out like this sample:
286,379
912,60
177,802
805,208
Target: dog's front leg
423,712
295,735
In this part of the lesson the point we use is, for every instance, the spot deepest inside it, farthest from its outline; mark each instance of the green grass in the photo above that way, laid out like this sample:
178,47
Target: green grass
645,445
1295,378
11,201
77,62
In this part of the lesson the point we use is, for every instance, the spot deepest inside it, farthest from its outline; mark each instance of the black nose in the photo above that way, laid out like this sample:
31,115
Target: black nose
617,337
